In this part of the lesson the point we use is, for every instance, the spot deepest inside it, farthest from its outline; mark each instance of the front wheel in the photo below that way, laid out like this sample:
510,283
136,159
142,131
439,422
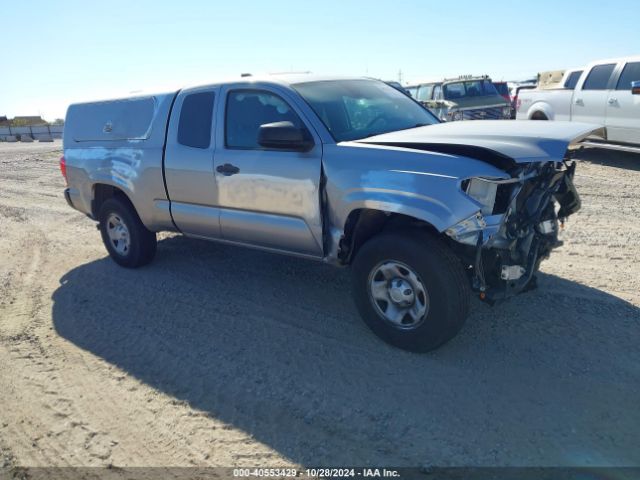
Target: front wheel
410,289
128,241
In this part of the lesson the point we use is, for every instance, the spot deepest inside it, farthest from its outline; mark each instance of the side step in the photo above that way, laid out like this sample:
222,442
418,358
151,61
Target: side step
610,146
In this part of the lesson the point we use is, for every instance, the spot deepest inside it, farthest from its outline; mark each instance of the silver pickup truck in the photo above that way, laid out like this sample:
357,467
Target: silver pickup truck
346,171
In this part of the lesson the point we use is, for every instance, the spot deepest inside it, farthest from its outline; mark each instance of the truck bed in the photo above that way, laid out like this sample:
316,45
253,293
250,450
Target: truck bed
554,102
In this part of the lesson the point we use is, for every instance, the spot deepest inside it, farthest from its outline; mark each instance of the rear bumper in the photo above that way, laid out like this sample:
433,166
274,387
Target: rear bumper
67,197
76,200
72,196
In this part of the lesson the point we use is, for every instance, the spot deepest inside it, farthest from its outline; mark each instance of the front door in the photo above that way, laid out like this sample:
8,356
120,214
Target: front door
590,99
267,198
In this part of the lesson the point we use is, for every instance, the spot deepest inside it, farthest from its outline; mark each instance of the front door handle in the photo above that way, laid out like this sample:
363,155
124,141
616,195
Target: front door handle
579,101
613,101
227,169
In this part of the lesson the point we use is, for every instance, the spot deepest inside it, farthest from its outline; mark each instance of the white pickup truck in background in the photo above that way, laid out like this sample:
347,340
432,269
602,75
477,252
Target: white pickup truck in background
605,93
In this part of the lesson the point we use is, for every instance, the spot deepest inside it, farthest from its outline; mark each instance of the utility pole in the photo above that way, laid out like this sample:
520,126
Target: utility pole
400,76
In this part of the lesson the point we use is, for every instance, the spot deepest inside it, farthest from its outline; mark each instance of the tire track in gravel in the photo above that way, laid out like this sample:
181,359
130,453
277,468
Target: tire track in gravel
53,413
152,341
21,295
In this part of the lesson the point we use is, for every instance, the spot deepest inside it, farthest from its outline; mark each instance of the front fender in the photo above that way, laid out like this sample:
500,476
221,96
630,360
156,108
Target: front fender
422,207
420,184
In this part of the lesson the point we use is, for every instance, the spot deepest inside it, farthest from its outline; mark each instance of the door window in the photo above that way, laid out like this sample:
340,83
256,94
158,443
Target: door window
194,128
454,90
598,78
424,93
437,92
247,110
631,73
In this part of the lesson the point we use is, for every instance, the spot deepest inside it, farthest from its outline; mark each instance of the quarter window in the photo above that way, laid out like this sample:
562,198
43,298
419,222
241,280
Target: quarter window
631,73
572,81
598,78
247,110
194,128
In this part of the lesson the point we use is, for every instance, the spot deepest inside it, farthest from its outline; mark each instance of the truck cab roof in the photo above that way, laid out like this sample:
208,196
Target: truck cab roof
286,79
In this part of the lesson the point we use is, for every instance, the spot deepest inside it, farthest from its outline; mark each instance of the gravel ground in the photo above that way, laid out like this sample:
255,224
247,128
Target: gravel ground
220,356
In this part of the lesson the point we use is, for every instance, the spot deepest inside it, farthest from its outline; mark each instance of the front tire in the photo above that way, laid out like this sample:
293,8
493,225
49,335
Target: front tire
410,289
127,240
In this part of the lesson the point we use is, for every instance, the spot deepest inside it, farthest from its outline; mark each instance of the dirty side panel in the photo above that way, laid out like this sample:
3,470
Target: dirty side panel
120,143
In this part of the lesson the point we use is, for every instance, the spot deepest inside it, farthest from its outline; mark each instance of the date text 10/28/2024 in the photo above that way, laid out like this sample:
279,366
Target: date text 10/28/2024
316,472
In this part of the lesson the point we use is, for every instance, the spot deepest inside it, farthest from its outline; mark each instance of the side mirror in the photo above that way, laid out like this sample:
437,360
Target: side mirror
284,136
635,88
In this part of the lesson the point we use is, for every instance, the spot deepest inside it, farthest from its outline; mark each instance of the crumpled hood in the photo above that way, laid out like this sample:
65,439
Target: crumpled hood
520,140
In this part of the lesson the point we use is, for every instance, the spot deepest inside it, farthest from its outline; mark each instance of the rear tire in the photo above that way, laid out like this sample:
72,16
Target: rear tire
127,240
539,116
420,267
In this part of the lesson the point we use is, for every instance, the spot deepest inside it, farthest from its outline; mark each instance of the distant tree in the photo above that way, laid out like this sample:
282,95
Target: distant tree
18,122
58,121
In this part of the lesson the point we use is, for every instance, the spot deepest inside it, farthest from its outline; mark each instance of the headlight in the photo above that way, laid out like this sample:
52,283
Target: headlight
454,116
482,191
506,112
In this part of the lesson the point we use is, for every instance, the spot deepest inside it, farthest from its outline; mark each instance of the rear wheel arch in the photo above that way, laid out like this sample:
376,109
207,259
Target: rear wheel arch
540,110
539,115
102,192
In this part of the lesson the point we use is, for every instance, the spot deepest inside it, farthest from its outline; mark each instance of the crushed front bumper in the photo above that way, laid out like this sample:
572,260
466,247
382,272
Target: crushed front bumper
503,251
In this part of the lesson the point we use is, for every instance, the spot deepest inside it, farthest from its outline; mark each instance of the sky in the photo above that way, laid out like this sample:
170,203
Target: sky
59,52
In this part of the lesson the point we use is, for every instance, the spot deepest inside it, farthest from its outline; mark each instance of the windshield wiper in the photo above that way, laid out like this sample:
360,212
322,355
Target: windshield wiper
417,125
397,130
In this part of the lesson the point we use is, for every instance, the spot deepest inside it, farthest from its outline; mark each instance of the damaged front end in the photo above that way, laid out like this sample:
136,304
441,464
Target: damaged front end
516,228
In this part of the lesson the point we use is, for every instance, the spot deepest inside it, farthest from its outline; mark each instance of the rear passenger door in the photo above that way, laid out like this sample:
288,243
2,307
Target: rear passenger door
268,198
623,108
590,98
561,99
189,160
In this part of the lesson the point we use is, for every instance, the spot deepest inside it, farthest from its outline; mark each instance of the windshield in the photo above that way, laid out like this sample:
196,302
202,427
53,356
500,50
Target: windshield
355,109
471,88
